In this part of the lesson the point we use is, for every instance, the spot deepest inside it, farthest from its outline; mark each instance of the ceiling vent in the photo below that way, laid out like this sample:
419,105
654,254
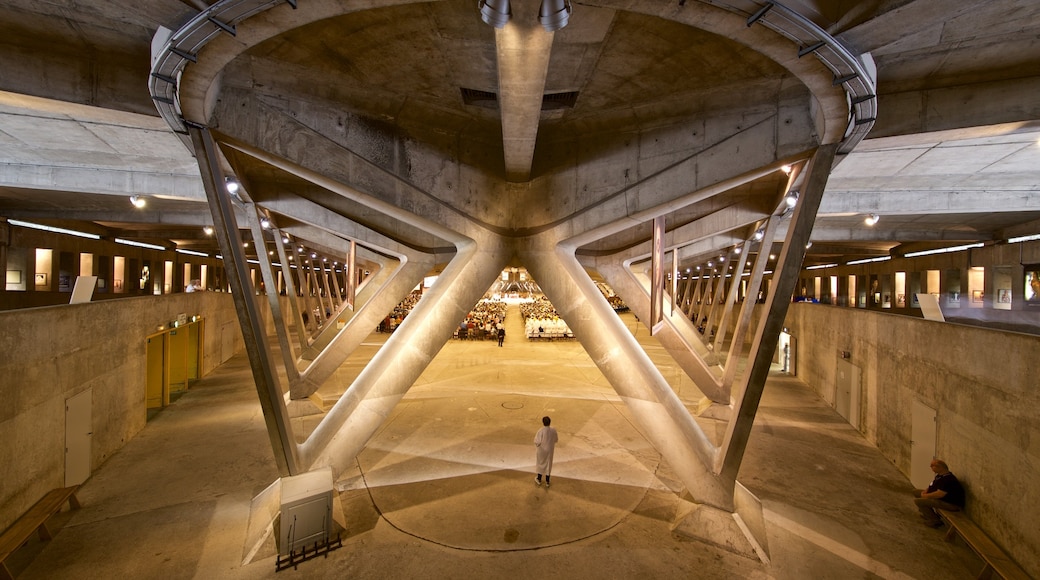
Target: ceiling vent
479,98
558,101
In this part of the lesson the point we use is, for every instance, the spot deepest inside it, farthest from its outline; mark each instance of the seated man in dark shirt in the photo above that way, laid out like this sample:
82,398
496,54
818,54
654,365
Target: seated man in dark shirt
945,492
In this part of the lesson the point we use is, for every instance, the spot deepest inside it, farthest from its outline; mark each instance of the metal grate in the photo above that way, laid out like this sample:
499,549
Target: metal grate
558,101
479,98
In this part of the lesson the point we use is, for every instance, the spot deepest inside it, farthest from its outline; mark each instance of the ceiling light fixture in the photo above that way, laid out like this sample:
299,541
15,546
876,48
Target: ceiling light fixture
786,169
792,198
208,230
43,228
868,260
554,14
872,219
231,185
138,244
265,223
1031,238
137,201
759,235
495,12
943,250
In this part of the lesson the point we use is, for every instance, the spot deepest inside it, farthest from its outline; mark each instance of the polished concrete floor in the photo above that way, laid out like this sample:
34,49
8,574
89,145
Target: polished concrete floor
445,488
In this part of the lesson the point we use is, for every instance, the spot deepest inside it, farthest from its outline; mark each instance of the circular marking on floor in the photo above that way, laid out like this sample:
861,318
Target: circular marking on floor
468,482
513,405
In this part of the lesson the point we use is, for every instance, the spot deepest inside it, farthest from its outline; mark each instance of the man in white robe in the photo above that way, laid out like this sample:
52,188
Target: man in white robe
545,442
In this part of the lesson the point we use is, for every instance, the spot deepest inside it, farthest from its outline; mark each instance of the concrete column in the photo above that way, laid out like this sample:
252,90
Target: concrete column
291,294
656,409
785,277
253,332
253,217
392,371
731,300
393,284
677,335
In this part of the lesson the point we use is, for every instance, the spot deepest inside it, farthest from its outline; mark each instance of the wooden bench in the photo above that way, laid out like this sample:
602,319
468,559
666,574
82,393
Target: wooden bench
34,520
995,558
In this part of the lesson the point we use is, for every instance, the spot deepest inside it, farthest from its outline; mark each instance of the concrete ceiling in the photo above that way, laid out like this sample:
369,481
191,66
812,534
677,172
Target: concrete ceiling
954,155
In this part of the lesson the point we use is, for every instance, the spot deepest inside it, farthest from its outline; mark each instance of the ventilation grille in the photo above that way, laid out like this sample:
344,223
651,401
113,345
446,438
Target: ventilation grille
553,102
479,98
559,101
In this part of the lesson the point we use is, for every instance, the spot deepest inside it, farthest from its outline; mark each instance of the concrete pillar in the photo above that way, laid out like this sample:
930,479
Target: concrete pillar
656,409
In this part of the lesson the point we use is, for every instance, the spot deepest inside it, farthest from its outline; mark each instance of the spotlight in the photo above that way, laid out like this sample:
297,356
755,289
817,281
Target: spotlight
231,185
791,199
208,230
137,201
808,244
872,219
265,223
786,169
495,12
554,14
759,235
737,250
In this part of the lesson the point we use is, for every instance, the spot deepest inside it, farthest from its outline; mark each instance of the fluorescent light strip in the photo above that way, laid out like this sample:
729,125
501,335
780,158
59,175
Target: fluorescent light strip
53,229
139,244
943,250
1031,238
867,260
821,266
192,253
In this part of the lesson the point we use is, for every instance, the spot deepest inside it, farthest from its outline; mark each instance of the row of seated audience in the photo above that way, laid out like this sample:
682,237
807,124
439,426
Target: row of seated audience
542,321
397,316
483,322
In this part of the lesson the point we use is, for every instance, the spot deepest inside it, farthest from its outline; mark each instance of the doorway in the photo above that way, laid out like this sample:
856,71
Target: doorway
847,391
922,444
174,362
786,354
79,433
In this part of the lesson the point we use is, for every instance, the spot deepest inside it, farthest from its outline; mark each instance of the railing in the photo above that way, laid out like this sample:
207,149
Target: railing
849,71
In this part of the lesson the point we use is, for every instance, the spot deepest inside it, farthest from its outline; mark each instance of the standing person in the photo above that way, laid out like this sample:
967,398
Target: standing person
945,492
501,333
545,440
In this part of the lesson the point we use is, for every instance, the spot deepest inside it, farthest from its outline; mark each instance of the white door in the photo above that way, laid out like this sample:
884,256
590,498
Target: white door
847,391
78,434
922,444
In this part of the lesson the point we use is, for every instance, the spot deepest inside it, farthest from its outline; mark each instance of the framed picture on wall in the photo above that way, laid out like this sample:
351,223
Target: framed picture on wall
14,276
1032,288
976,296
1004,295
41,279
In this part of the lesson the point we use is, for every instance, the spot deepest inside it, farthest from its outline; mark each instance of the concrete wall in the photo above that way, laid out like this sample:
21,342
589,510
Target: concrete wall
51,354
984,385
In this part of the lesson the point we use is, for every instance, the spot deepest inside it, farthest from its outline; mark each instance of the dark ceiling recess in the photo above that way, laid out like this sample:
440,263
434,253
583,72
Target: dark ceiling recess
552,102
557,101
479,98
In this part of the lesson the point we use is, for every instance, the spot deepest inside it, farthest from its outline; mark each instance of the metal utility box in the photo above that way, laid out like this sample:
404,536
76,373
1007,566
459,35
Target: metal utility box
306,510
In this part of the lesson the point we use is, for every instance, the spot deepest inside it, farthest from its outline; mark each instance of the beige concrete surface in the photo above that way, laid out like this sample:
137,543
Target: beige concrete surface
445,489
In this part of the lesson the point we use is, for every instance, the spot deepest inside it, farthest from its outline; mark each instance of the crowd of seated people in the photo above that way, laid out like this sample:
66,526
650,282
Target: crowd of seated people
483,321
615,301
397,316
542,321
